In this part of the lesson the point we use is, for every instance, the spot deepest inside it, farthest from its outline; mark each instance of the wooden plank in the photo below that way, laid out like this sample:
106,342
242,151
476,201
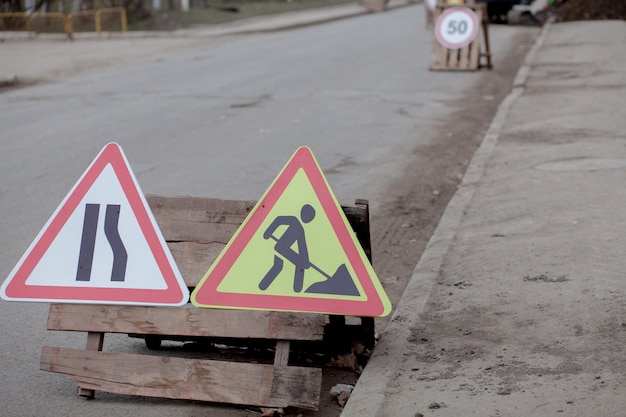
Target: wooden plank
194,259
464,57
195,204
443,57
282,353
95,340
206,220
434,56
198,219
439,55
484,18
375,6
186,321
190,379
455,58
473,57
359,218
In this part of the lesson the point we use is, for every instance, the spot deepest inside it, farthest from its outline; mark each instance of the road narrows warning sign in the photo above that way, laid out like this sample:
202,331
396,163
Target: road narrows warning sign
295,252
101,246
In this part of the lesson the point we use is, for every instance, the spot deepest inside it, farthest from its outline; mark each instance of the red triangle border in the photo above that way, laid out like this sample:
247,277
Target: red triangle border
17,287
207,295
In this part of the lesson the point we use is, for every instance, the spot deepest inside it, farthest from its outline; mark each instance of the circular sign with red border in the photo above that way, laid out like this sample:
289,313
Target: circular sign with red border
456,28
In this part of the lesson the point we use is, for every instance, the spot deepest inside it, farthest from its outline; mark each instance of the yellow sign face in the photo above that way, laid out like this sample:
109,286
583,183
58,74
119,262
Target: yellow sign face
260,253
295,252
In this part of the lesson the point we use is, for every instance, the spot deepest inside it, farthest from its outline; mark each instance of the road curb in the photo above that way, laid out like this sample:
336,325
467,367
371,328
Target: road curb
369,395
522,73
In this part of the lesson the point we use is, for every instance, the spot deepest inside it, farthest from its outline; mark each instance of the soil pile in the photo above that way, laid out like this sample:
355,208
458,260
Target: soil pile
591,10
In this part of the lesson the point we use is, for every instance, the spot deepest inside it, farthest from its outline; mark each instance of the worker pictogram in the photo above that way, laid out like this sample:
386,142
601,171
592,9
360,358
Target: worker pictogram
340,283
295,252
293,235
102,245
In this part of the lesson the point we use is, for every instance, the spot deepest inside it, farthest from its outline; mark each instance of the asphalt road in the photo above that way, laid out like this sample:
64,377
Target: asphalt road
217,120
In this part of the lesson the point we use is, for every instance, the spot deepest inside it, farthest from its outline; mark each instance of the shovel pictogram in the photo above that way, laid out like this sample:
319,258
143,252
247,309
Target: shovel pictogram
340,283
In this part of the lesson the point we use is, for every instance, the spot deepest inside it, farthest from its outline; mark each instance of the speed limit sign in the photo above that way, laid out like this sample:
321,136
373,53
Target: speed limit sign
430,4
456,27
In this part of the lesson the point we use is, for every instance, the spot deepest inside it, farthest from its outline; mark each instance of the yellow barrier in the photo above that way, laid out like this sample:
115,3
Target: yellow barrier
67,21
97,18
120,10
29,18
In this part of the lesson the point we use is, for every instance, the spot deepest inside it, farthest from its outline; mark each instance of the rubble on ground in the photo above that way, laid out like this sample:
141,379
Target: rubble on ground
573,10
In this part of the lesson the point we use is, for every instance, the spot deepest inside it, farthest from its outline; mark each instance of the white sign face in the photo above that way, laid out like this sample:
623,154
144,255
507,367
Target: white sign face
456,28
64,252
430,4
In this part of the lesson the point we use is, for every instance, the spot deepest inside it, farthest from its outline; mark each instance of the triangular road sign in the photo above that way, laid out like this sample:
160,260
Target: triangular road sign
295,252
101,246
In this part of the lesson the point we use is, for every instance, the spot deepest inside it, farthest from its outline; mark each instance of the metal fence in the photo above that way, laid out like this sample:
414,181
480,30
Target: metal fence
108,19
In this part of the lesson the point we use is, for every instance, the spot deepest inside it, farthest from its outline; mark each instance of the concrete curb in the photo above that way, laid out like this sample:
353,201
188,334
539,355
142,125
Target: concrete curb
368,397
522,73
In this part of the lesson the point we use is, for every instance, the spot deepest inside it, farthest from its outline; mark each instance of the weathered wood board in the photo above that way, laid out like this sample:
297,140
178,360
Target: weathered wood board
191,379
186,321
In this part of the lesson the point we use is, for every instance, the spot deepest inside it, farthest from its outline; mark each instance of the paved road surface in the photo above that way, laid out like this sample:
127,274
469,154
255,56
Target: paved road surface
218,118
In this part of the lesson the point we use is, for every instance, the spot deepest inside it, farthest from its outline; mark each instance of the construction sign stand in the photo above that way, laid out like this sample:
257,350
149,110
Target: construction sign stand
197,231
457,45
430,5
375,6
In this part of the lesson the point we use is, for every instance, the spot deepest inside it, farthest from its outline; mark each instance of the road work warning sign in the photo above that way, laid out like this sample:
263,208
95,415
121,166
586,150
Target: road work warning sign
295,252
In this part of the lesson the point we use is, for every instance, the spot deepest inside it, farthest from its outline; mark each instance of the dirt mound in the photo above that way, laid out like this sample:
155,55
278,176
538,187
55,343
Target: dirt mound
591,10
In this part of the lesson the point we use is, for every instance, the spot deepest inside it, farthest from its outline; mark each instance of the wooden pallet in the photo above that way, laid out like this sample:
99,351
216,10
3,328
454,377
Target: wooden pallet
196,230
375,6
469,57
